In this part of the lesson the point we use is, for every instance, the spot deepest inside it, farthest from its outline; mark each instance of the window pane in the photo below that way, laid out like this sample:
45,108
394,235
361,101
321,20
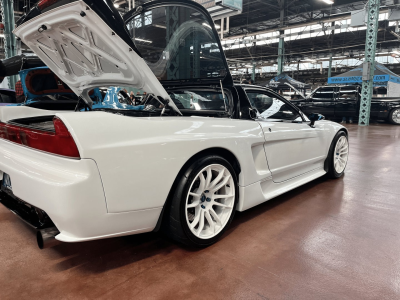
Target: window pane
324,94
178,43
199,100
272,108
348,93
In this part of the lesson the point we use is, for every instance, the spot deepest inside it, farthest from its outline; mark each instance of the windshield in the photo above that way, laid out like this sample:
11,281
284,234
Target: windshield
178,43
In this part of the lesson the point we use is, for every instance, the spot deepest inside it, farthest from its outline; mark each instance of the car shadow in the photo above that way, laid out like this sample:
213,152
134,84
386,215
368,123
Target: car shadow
104,255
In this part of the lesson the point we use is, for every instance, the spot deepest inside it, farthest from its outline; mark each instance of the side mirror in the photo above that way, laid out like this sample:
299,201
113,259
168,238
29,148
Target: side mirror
314,117
253,113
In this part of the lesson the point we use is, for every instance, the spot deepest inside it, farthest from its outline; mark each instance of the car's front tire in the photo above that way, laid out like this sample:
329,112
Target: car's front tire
204,202
338,155
394,116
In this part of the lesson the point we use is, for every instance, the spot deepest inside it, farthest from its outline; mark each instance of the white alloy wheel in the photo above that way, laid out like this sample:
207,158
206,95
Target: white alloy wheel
210,201
341,154
396,116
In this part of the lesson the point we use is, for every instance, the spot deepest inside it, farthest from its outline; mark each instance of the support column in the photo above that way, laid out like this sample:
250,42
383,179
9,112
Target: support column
330,45
253,74
330,66
7,13
281,49
369,63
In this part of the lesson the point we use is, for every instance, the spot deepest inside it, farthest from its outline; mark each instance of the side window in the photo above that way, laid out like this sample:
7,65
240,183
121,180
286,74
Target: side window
324,94
348,93
272,108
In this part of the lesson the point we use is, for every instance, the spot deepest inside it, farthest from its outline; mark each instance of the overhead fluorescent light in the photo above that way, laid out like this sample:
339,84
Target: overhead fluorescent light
312,61
160,26
142,40
328,1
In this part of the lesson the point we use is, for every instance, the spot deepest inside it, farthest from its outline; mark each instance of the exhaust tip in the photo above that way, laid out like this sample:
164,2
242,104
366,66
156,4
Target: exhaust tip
46,238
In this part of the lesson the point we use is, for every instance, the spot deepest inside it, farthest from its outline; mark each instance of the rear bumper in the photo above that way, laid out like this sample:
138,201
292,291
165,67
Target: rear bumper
33,216
69,191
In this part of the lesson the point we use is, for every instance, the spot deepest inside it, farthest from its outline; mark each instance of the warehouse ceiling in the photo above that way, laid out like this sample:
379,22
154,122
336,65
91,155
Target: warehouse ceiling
260,16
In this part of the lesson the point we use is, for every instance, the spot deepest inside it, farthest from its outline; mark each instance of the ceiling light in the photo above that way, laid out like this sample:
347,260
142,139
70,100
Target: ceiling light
142,40
328,1
160,26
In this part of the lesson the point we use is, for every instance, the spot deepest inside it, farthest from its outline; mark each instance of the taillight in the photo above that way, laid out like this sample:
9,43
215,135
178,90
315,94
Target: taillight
42,4
59,142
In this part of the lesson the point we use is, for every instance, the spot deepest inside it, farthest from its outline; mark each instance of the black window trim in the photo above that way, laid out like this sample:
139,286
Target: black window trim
287,102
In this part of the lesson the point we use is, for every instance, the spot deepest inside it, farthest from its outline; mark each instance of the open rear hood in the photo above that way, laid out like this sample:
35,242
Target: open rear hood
84,52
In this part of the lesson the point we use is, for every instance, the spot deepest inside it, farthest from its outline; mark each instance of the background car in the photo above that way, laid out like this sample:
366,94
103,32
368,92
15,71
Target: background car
336,102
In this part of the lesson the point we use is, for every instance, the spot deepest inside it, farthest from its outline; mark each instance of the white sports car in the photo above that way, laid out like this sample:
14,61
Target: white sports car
198,149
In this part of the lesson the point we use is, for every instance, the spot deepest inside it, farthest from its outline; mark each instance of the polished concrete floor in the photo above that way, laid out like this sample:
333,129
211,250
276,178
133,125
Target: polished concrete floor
330,239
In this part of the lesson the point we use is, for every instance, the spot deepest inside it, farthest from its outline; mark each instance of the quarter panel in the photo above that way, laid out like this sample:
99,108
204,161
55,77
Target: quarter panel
139,158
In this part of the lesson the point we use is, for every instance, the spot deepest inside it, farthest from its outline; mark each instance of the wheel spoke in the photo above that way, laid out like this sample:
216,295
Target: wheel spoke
336,164
210,221
202,182
193,204
195,221
195,195
215,216
201,225
209,177
217,179
222,205
223,196
223,183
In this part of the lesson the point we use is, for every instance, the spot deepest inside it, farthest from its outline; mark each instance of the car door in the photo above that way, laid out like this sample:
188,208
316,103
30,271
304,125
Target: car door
292,147
346,105
323,101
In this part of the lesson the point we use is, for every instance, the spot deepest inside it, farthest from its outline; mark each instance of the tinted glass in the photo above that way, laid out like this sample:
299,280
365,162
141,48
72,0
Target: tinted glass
202,100
177,43
348,93
272,108
327,94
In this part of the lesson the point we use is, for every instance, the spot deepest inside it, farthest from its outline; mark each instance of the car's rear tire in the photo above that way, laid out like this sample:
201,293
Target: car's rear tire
338,155
198,215
394,116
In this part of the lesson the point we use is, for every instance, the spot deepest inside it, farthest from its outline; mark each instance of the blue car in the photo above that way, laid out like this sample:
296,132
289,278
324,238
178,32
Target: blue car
44,90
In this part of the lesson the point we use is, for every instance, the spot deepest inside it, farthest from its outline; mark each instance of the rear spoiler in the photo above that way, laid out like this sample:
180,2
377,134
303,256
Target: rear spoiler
12,66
